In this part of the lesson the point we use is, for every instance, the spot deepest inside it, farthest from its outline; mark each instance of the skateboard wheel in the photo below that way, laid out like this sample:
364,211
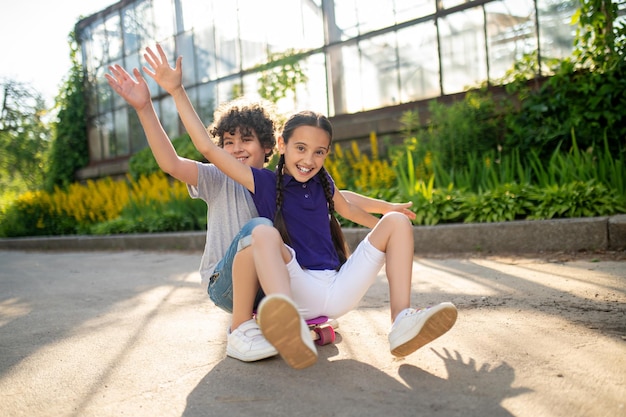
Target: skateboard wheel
326,335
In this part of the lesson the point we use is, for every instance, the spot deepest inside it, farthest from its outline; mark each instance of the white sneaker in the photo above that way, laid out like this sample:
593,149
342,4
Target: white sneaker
247,343
283,327
418,327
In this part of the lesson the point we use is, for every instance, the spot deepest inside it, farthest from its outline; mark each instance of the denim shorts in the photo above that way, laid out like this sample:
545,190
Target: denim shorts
221,282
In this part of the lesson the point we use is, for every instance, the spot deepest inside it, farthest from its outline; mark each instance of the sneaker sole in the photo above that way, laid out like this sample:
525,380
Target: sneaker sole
436,325
280,323
258,357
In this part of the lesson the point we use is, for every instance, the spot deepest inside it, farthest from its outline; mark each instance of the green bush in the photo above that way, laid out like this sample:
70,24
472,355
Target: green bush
575,199
504,203
148,217
442,206
34,219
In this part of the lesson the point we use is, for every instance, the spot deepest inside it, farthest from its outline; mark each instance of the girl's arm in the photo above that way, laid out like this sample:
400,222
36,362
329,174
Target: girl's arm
170,79
353,212
137,94
373,205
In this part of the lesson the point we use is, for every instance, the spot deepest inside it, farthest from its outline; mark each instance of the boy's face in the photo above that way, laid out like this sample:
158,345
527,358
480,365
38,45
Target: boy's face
247,149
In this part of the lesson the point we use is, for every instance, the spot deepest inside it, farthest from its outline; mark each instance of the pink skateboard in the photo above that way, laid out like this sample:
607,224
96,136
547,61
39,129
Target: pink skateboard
323,330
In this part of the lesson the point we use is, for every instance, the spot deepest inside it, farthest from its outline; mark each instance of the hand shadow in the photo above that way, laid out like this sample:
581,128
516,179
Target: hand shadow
345,387
468,390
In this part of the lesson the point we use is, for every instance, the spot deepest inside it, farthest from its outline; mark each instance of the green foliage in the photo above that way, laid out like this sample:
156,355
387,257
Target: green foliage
575,199
503,203
24,139
281,75
34,218
142,163
464,126
585,94
441,207
172,216
69,151
600,41
455,136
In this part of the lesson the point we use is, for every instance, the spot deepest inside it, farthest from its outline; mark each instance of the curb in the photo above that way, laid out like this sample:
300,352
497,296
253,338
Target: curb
525,236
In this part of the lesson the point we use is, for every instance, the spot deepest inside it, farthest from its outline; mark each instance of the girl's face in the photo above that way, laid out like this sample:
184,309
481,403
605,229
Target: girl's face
305,152
247,149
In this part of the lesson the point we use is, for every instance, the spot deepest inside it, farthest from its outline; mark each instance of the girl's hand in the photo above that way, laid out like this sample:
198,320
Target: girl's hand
402,208
170,79
136,93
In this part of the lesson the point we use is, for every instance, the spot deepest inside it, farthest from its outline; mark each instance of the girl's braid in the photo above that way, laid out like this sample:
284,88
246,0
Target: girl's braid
279,220
335,228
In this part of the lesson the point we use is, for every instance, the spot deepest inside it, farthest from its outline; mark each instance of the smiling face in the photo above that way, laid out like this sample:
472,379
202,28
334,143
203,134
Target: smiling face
305,152
246,148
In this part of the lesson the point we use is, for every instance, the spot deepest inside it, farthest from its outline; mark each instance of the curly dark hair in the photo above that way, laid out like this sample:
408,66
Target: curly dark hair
248,116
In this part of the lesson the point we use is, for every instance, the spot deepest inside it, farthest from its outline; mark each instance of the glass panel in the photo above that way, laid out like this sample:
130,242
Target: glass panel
313,95
351,87
510,34
91,93
121,132
253,31
137,25
228,90
113,29
311,25
169,116
412,9
346,22
379,68
419,62
106,96
227,46
463,58
556,33
86,47
106,132
373,15
98,44
448,4
206,104
136,133
205,55
133,61
185,48
92,100
95,144
197,14
163,19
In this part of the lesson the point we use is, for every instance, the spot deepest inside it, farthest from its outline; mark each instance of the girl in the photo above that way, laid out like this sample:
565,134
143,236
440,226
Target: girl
302,263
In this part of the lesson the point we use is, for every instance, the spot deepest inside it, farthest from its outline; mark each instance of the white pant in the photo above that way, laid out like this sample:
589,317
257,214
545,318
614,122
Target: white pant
334,293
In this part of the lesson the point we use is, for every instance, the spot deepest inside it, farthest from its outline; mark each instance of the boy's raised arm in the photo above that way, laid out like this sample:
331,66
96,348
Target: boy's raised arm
170,79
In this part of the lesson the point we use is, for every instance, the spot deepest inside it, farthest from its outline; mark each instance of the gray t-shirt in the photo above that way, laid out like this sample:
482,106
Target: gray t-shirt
229,208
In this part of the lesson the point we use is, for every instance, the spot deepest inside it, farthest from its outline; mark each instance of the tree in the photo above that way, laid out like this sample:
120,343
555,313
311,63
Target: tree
69,151
24,137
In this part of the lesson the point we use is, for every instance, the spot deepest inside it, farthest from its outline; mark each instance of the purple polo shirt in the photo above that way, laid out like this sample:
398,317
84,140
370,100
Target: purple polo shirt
305,211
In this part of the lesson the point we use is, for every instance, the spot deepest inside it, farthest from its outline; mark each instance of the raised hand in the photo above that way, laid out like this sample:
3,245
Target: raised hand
135,92
170,79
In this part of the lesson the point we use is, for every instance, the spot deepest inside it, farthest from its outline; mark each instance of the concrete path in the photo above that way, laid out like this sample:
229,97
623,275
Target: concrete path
131,333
